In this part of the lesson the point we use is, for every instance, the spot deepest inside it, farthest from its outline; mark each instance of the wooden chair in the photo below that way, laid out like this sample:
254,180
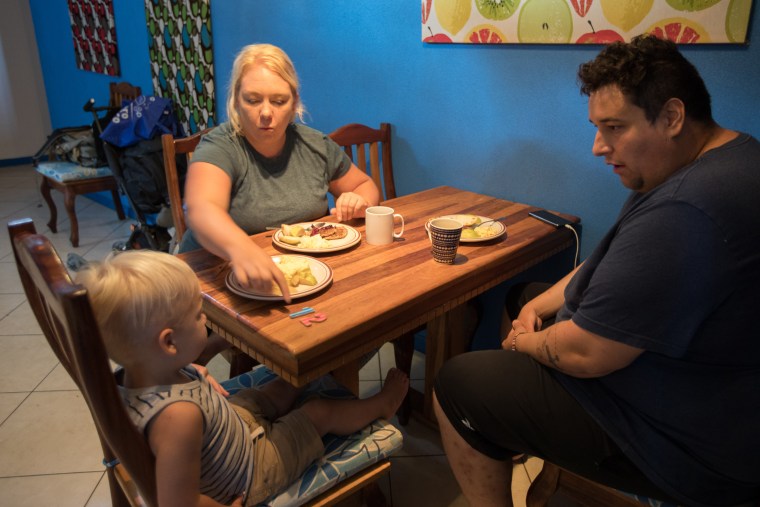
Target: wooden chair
588,493
364,145
63,311
173,147
370,150
121,92
72,179
239,362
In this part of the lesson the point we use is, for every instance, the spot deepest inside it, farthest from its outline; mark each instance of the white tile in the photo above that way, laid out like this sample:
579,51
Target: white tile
99,250
20,321
9,302
25,361
6,255
9,402
371,370
10,283
387,358
62,490
57,380
101,497
418,366
50,433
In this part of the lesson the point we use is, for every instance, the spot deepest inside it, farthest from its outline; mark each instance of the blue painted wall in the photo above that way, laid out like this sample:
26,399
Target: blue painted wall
67,87
506,121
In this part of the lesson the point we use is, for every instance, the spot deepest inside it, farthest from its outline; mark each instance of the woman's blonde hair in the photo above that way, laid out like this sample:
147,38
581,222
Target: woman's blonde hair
272,58
135,294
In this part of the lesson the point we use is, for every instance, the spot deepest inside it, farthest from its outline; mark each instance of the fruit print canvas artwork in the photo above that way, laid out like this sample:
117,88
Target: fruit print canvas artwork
583,21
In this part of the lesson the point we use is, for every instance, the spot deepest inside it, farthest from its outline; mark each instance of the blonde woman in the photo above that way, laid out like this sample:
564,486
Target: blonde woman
261,169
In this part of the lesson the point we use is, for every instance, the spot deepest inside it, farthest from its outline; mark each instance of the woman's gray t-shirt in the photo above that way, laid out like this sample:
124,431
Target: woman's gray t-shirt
290,188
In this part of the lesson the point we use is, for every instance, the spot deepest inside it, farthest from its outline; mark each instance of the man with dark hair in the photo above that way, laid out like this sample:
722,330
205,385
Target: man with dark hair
647,378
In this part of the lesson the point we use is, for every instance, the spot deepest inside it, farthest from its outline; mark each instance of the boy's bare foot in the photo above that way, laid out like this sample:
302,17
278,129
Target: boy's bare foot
394,391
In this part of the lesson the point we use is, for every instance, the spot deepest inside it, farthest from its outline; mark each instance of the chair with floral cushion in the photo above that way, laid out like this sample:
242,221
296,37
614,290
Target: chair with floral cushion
73,179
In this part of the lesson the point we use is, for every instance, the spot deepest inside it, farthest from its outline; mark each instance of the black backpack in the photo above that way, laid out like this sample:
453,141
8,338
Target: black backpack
142,168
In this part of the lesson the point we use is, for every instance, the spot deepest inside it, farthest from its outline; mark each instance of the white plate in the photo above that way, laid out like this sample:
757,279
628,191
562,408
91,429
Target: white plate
352,237
463,218
319,269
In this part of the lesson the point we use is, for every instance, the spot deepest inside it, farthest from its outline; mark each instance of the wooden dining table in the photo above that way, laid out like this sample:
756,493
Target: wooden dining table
379,292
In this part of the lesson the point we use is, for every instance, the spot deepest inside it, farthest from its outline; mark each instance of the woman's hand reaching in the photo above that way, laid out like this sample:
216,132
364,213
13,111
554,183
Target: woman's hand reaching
349,205
254,269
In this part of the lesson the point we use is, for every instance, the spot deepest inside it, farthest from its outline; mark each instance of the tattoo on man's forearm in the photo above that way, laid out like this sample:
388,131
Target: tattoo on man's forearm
552,359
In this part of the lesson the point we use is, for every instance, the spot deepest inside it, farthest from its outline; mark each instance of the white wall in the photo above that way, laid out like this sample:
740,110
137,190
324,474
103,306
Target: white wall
24,117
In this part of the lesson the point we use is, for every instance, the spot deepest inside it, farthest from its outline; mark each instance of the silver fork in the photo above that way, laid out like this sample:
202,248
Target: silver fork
473,226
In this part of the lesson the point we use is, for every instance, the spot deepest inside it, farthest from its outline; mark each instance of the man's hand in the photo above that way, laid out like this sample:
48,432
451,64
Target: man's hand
517,329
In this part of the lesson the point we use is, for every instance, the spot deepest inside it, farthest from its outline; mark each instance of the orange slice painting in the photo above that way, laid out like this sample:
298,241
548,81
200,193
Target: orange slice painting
679,30
485,34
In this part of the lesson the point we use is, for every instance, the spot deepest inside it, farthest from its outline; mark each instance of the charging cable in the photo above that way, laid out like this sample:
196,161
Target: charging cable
577,245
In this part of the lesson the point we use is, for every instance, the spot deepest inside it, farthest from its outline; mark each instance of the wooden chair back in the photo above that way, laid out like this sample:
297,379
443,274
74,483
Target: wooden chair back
370,150
553,479
365,145
121,92
173,147
66,318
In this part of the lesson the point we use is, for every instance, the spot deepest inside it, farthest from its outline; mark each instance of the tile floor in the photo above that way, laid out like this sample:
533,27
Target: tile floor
49,451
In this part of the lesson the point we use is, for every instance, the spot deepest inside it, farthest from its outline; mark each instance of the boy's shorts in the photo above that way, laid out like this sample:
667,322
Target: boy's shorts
282,453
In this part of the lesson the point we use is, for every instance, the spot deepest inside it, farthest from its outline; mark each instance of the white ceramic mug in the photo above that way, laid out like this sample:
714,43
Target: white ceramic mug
379,221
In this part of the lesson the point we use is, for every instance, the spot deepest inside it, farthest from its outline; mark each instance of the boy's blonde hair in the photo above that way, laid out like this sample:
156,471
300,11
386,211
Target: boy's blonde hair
274,59
135,294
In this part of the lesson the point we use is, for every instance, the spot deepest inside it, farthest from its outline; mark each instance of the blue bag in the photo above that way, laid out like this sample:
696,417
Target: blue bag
144,118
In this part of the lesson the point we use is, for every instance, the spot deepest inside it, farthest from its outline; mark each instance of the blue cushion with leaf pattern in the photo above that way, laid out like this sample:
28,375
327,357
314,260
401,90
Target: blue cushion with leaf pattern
343,457
69,171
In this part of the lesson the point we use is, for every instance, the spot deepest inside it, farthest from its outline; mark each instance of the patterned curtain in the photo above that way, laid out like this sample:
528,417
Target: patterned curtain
182,59
93,30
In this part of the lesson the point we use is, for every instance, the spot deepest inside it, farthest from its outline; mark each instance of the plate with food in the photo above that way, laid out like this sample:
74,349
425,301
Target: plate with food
305,276
476,228
316,237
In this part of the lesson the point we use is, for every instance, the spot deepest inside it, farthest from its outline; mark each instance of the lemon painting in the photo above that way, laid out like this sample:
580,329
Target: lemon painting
583,21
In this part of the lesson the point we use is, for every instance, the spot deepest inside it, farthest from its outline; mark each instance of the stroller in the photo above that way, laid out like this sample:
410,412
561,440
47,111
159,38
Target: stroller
132,147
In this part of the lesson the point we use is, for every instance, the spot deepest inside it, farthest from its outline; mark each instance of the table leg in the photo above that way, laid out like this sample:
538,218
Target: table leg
437,344
348,376
45,191
69,196
117,204
447,336
403,350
